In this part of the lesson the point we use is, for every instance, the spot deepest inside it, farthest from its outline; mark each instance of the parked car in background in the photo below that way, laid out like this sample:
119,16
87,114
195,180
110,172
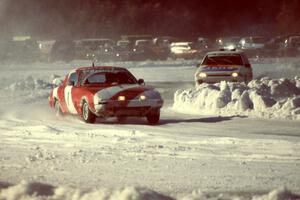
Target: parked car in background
184,50
143,50
291,46
162,46
62,50
45,47
219,66
123,51
92,92
23,49
272,47
228,43
164,41
253,45
95,49
204,45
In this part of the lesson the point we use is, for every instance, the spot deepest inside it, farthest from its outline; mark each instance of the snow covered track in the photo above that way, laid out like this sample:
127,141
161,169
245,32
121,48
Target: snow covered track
185,152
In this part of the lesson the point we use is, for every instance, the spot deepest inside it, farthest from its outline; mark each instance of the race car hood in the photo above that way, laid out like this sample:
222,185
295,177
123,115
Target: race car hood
130,91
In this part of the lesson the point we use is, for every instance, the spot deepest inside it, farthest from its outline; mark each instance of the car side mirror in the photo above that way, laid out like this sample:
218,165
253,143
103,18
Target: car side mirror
248,65
198,65
141,82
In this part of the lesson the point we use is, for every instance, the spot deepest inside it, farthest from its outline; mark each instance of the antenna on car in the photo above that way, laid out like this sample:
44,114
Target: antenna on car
93,64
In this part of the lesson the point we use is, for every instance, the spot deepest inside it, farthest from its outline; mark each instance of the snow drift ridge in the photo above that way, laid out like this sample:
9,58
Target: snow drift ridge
39,191
268,98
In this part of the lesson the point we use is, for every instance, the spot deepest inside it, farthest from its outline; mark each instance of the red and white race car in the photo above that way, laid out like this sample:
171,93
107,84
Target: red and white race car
93,92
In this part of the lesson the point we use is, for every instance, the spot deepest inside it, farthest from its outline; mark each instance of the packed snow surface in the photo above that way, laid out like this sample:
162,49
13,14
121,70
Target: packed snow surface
265,97
233,141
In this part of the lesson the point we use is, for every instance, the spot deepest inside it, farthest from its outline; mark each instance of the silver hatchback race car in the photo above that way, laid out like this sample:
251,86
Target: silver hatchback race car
219,66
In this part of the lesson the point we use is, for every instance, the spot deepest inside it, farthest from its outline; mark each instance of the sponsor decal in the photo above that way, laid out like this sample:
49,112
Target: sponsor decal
219,68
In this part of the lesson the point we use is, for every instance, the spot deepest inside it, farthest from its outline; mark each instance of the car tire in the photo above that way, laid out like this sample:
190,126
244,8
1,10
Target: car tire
153,117
87,115
58,110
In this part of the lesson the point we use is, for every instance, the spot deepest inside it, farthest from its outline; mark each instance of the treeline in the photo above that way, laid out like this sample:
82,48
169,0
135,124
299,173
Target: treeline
110,18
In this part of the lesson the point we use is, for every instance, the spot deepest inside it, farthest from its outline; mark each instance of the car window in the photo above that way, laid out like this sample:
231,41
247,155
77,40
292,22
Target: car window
73,78
119,77
97,78
222,60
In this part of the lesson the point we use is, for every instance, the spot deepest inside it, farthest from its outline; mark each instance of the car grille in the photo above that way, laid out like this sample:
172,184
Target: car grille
212,75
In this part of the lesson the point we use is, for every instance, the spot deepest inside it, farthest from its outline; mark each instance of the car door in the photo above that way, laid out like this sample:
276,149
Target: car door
68,97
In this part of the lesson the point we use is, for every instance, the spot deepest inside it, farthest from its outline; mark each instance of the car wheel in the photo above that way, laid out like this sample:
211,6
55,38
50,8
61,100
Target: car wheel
87,115
58,110
153,117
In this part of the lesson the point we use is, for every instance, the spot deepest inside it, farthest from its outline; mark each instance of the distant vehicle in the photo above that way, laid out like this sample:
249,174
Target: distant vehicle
162,46
291,46
273,47
23,49
45,47
228,43
62,50
219,66
253,46
204,45
164,41
143,50
133,38
184,50
93,92
95,49
122,51
256,42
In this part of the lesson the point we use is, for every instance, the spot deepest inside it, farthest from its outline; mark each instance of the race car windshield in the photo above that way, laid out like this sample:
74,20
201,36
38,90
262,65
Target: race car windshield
120,77
223,60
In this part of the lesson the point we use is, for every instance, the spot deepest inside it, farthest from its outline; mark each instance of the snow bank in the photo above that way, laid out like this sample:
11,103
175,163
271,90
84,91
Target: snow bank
269,98
277,194
39,191
36,191
26,91
30,83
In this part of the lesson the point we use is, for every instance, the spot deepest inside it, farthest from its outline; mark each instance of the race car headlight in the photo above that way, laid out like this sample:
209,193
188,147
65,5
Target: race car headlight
234,74
117,54
143,97
202,75
121,98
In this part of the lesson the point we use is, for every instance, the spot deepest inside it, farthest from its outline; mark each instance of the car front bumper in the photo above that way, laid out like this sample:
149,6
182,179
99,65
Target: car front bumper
127,108
219,78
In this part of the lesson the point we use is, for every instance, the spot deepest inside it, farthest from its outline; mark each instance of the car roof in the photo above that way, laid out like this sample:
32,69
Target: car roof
180,43
238,52
100,68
